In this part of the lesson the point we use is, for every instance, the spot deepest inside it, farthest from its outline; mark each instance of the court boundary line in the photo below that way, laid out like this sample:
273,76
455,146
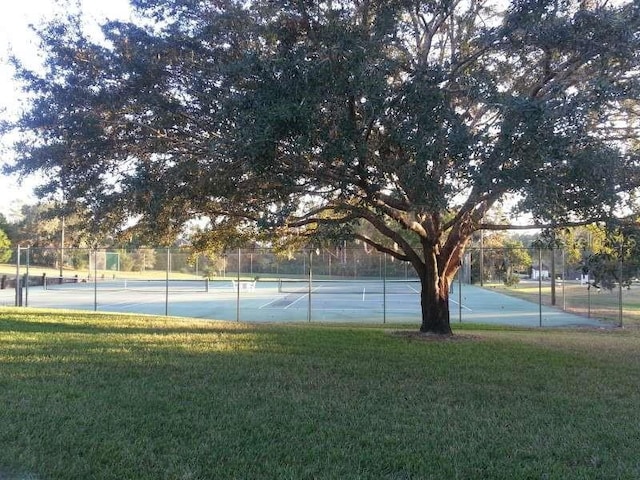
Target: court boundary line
296,300
460,305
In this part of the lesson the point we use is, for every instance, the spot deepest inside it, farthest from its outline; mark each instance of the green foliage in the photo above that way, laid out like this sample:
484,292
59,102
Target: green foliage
289,117
40,226
7,227
5,247
511,280
138,260
502,258
77,259
618,260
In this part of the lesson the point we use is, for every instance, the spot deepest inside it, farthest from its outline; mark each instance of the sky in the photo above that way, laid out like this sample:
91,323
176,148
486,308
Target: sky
16,37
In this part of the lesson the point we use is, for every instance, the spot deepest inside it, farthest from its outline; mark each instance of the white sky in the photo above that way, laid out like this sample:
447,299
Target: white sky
16,37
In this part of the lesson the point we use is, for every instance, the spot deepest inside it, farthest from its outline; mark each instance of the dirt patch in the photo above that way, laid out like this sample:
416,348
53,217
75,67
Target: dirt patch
433,337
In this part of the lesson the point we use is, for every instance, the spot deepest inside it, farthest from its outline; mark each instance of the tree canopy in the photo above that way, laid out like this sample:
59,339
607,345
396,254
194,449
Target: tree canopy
414,117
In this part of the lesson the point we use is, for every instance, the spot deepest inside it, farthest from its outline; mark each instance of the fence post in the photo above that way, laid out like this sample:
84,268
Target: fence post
620,289
26,283
564,279
95,279
62,225
481,258
310,283
238,288
166,283
384,291
18,290
588,297
460,293
540,284
553,275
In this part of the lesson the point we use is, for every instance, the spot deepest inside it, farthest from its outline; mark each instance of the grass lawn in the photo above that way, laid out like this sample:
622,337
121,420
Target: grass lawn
94,396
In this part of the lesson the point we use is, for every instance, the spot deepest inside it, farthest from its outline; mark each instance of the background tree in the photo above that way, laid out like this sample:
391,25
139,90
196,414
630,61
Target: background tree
617,260
137,260
5,247
42,232
517,260
40,227
415,117
500,257
9,228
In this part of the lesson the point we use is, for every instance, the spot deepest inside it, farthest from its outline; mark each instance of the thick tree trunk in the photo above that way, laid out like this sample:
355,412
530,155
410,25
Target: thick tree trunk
435,313
434,298
436,274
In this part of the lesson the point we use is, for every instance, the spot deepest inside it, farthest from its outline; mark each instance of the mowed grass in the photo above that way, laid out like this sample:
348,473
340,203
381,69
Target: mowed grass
94,396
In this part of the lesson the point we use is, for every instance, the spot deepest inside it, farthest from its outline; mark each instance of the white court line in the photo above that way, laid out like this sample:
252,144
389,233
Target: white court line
378,311
127,303
305,295
269,303
463,306
296,300
124,305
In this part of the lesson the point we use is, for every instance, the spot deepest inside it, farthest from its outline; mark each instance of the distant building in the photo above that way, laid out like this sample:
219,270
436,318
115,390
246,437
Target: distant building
538,273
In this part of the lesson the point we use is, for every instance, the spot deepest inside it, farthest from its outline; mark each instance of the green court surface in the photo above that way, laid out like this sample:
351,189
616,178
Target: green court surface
274,301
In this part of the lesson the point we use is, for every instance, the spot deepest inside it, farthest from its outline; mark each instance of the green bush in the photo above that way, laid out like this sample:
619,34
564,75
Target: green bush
511,280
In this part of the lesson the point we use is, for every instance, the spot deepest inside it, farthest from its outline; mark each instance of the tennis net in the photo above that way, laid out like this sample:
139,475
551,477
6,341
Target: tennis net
334,287
137,285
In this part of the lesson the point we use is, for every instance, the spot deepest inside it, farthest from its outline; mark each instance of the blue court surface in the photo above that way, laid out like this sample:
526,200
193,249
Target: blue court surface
274,301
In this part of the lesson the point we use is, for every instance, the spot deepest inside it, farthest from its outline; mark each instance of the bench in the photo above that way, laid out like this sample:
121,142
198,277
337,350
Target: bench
247,286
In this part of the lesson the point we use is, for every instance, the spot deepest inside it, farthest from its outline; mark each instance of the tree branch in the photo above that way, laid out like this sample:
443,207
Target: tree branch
382,248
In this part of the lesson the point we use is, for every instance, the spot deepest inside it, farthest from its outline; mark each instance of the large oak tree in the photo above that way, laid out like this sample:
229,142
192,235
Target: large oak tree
414,117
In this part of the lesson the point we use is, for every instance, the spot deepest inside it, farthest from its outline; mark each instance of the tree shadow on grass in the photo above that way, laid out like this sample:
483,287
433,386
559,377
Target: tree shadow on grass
13,323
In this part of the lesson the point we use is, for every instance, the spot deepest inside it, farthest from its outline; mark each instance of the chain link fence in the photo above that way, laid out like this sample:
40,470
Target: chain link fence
560,278
261,285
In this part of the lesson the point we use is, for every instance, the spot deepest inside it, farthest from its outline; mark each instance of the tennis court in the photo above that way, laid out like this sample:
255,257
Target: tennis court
291,301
